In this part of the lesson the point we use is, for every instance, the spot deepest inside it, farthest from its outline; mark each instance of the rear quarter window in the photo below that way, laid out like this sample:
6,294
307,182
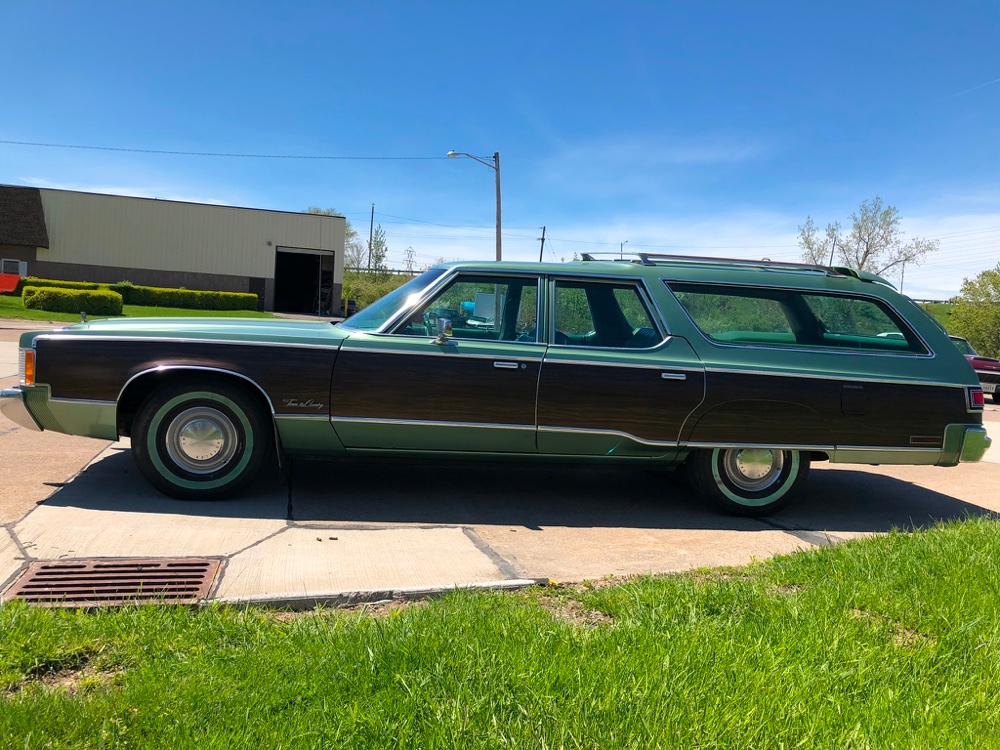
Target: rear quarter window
788,317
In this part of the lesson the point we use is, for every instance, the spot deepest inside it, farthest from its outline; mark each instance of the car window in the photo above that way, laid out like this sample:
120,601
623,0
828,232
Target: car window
377,313
963,346
594,313
484,308
789,317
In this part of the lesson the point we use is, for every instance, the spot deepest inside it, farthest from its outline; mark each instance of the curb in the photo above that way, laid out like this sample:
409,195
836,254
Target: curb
353,598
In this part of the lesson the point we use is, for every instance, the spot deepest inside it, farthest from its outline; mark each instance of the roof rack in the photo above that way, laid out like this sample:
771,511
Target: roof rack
653,259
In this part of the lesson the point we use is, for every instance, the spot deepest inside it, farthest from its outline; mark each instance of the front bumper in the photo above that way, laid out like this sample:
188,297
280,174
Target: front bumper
13,407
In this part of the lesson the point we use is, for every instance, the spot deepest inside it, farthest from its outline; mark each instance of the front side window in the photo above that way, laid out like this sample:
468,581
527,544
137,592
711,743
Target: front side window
788,317
376,314
601,314
485,308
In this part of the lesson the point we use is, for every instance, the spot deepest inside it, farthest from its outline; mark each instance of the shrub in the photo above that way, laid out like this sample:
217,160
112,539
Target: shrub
153,296
365,288
90,301
55,283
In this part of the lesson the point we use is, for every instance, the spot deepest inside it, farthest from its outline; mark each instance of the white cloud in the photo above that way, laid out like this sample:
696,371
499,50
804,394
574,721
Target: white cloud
136,190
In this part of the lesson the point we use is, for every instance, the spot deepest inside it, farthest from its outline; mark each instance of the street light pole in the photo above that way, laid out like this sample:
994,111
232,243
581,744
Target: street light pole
621,249
495,166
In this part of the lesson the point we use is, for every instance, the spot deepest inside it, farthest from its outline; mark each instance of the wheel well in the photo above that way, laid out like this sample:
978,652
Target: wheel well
138,390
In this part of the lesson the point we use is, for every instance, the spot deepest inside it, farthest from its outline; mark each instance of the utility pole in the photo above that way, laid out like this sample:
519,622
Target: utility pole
542,248
621,249
496,168
833,249
409,259
902,276
371,230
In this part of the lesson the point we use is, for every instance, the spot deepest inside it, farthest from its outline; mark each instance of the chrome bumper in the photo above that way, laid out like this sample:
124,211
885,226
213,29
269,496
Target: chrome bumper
13,407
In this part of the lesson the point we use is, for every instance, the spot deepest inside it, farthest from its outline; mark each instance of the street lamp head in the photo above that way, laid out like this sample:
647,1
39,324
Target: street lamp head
452,154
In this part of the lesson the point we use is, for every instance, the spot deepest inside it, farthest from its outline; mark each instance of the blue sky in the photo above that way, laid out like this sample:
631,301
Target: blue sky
707,127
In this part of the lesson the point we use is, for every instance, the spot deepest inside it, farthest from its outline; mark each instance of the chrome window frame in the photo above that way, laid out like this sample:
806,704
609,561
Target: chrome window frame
391,326
645,296
930,353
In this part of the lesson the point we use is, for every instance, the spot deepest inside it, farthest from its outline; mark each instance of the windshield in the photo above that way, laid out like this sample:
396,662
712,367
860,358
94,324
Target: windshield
377,313
963,346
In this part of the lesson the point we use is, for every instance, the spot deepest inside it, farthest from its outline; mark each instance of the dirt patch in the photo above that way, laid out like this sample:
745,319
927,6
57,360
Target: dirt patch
573,612
72,673
901,635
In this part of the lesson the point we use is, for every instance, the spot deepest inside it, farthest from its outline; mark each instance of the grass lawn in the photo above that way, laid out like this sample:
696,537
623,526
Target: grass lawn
881,643
11,307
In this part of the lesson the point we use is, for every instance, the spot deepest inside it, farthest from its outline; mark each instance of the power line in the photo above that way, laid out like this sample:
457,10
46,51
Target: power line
222,154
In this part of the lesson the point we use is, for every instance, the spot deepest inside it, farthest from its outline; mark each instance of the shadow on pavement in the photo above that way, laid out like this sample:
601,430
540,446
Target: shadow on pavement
533,495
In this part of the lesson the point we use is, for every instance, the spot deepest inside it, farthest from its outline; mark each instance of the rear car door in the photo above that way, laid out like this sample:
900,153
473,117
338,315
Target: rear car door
613,380
474,391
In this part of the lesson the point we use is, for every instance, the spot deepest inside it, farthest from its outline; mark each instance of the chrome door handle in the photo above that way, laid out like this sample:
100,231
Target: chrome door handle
673,376
507,365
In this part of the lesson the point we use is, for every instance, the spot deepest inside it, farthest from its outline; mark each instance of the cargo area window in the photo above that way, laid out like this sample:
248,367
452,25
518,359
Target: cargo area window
602,314
788,317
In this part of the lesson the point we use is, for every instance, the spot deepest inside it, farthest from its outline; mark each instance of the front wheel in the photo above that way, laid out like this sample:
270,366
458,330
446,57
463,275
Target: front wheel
201,441
748,481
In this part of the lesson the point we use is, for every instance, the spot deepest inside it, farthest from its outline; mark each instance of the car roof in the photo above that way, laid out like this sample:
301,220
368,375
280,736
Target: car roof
703,270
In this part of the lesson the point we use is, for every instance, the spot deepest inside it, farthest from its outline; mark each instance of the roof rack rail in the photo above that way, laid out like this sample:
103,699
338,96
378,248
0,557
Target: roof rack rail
653,259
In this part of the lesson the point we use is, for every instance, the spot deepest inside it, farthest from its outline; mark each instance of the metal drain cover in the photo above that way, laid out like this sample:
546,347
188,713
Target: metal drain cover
111,582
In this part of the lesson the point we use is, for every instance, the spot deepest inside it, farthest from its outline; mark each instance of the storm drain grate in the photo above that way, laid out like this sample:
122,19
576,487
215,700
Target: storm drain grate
114,582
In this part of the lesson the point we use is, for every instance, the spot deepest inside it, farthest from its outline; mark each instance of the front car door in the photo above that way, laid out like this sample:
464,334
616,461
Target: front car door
613,381
409,389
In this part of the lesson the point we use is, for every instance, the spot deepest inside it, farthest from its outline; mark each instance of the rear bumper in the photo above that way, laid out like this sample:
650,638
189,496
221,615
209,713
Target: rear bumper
975,443
13,407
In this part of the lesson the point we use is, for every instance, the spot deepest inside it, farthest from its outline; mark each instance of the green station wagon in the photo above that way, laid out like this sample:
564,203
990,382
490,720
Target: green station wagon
743,372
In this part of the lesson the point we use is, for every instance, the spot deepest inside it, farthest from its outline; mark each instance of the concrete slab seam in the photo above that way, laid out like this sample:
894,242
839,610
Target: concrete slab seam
17,540
217,584
353,598
505,567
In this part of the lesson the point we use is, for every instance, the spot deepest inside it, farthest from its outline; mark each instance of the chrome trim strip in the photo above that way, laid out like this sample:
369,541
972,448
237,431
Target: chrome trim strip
333,346
613,433
303,417
164,368
816,376
782,446
632,365
442,353
433,423
986,372
665,280
899,449
91,401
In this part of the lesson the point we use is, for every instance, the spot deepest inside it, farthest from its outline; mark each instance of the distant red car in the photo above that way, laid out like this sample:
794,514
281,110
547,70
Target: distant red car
8,282
987,368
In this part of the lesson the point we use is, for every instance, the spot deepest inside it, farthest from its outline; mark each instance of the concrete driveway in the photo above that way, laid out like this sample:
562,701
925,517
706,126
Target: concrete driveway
363,529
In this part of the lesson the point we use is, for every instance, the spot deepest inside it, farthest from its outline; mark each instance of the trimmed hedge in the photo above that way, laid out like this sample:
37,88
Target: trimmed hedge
90,301
153,296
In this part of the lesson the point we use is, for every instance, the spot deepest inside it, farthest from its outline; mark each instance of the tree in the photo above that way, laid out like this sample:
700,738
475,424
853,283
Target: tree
355,250
976,314
379,250
875,242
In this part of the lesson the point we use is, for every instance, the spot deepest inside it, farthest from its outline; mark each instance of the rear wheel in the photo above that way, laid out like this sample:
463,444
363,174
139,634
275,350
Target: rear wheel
201,441
748,481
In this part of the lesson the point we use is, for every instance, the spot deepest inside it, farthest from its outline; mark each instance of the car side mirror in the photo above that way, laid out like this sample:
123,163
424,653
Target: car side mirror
444,331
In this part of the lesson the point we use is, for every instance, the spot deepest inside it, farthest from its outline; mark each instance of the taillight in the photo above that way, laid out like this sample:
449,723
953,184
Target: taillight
976,398
27,366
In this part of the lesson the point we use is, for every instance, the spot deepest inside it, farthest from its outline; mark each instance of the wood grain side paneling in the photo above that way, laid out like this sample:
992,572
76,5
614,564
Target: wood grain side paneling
633,400
433,388
296,380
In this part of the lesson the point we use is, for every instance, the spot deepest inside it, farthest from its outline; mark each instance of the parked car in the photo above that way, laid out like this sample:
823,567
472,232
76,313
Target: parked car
744,372
987,369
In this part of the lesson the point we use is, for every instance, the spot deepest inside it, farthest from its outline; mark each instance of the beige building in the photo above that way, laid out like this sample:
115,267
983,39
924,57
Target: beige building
293,261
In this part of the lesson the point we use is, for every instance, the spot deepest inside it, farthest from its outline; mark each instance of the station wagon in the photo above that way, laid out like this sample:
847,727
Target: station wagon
741,372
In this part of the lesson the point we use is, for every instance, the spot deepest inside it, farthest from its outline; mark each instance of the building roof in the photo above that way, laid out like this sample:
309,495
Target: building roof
22,218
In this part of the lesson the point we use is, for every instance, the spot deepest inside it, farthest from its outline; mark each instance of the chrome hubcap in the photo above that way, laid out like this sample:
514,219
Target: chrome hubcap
753,469
201,440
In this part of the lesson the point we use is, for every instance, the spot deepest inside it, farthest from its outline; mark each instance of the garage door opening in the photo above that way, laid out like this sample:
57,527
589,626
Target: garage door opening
303,281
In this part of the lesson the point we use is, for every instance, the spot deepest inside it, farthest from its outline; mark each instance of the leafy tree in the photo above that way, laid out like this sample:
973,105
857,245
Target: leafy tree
875,242
355,250
379,251
976,314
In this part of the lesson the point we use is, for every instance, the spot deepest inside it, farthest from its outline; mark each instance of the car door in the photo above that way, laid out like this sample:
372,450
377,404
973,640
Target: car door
613,381
472,390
